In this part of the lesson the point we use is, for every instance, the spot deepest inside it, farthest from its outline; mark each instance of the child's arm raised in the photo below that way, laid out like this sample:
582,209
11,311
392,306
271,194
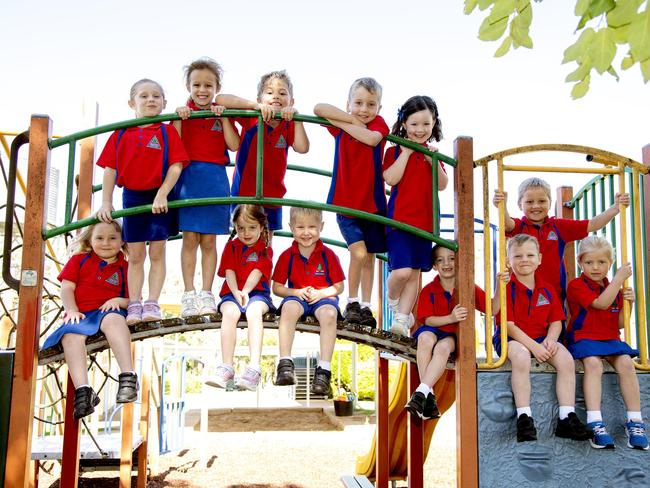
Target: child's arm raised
300,139
601,220
393,174
233,101
499,197
539,351
108,185
348,123
502,276
230,134
607,297
71,312
331,291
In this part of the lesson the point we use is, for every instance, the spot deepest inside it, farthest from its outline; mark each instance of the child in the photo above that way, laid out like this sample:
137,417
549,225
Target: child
411,202
274,95
595,305
207,142
438,316
314,280
359,145
94,294
246,264
147,161
552,233
534,315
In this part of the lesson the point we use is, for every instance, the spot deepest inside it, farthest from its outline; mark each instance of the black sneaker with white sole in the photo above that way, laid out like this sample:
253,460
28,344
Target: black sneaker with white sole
85,401
572,427
285,374
367,318
127,391
320,385
417,404
431,408
353,313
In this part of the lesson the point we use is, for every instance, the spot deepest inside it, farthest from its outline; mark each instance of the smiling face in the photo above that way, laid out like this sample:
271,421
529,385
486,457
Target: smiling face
595,264
419,126
203,87
306,230
535,204
106,241
276,93
148,100
444,263
524,259
248,230
364,105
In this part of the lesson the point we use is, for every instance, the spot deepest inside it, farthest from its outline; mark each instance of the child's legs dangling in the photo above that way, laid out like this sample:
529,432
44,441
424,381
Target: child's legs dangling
208,243
188,258
565,382
254,316
137,255
291,311
230,316
358,256
519,357
327,316
119,339
628,380
158,268
74,351
592,382
403,283
441,351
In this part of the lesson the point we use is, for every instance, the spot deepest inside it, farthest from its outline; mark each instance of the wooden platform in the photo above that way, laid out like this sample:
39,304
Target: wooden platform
50,447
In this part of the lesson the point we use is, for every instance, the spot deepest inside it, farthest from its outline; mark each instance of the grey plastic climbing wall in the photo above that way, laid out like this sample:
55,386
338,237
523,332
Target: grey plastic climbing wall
550,461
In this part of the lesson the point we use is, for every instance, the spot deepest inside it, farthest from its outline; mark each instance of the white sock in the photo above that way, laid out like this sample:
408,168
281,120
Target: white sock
392,302
81,386
523,410
424,389
287,357
634,416
365,304
594,416
565,411
325,365
353,299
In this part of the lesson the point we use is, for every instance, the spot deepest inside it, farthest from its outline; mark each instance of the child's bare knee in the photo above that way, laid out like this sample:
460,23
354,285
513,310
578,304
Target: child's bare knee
157,251
191,240
625,366
593,365
358,253
208,243
327,316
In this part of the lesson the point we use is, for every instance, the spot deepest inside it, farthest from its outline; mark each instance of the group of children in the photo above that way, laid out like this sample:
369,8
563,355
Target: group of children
155,163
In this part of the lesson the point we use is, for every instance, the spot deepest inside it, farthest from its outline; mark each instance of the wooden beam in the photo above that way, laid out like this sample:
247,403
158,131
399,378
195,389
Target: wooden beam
71,441
143,450
415,436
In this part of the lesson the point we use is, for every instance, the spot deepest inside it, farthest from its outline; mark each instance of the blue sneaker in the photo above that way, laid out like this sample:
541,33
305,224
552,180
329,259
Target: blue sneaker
602,439
636,438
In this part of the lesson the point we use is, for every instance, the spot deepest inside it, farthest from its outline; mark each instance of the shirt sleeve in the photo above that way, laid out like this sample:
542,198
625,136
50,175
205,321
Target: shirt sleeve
516,229
70,271
177,153
577,292
108,157
335,131
227,259
378,124
389,158
425,307
282,268
265,264
479,298
572,230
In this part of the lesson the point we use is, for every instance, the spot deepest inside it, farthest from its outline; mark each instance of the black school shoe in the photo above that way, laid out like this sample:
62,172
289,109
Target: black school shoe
320,385
431,408
367,318
417,404
285,373
572,428
85,401
526,430
127,391
353,313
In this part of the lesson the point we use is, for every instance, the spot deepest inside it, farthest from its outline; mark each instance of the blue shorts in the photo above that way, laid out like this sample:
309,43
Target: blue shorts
496,341
204,180
355,230
589,347
408,251
309,309
440,334
254,296
147,226
88,326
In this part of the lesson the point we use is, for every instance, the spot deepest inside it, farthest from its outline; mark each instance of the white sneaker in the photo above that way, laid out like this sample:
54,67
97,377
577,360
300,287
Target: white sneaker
249,380
223,378
400,325
188,304
206,303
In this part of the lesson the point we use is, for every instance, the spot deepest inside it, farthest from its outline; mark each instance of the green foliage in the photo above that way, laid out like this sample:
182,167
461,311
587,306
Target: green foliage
365,372
616,23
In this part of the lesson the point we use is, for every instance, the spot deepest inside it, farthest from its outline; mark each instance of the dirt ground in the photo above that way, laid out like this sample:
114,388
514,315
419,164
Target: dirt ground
251,448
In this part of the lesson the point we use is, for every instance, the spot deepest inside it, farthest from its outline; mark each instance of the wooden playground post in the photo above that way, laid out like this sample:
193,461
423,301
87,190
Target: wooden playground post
382,463
29,307
466,416
565,194
147,354
415,435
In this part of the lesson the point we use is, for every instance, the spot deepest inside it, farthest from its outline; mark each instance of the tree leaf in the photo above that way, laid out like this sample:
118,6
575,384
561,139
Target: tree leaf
645,70
627,62
483,4
613,72
470,5
502,8
579,74
623,13
581,7
491,31
602,49
621,34
519,32
579,49
581,89
598,7
526,15
504,47
640,35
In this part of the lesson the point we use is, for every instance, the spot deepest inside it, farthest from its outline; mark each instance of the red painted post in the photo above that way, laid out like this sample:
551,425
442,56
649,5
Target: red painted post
382,465
29,306
71,434
466,416
415,436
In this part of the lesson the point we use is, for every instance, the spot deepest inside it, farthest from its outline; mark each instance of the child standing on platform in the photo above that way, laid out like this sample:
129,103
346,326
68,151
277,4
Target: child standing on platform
246,263
552,233
357,183
94,294
314,279
534,315
274,95
411,202
207,142
147,161
596,304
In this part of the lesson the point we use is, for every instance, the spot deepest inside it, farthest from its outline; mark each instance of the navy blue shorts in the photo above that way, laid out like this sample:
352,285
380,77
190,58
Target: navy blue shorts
147,226
440,334
254,296
408,251
589,347
496,342
355,230
310,308
204,180
88,326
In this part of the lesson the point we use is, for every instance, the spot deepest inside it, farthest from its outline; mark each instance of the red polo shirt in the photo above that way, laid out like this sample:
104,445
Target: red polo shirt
586,321
411,200
532,310
356,179
435,301
203,138
321,270
96,280
553,235
243,260
276,147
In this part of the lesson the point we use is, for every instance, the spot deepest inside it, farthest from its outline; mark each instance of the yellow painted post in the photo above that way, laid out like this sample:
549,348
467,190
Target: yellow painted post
487,265
642,341
623,247
502,267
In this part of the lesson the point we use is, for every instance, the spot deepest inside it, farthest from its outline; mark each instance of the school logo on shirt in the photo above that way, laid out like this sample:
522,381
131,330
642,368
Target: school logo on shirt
217,126
319,270
552,236
114,279
282,143
542,300
252,257
153,143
